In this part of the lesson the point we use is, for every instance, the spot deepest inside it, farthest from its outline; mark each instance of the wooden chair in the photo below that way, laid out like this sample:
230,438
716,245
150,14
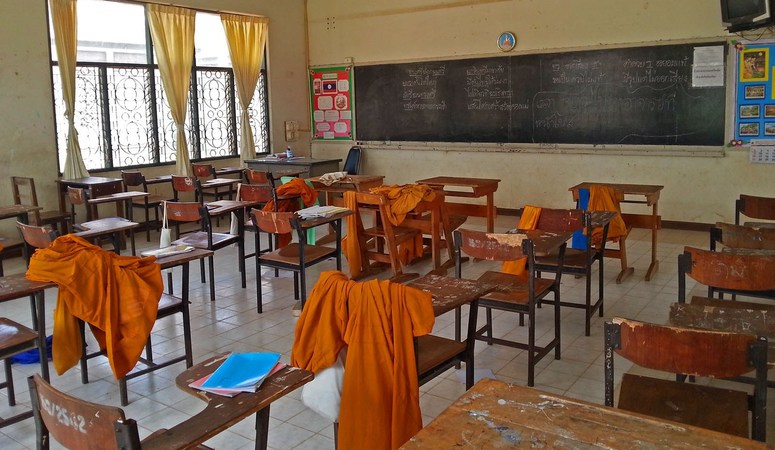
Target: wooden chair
206,238
694,352
204,172
514,293
296,256
136,181
78,424
24,194
254,193
762,208
724,272
42,237
182,184
577,261
381,242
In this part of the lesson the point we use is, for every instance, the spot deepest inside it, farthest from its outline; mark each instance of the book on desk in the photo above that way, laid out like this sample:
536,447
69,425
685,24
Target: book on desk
240,372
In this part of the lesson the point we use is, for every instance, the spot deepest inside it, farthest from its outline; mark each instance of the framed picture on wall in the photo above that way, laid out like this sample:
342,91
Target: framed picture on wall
769,128
749,111
754,91
749,129
769,110
754,64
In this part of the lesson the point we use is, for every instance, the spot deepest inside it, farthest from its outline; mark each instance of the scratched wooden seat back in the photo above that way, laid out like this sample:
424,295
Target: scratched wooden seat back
694,352
78,424
762,208
741,274
742,237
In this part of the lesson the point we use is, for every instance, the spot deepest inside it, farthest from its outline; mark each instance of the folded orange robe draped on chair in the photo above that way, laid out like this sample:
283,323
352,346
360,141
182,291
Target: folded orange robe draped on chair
402,200
603,198
297,186
377,320
118,296
527,221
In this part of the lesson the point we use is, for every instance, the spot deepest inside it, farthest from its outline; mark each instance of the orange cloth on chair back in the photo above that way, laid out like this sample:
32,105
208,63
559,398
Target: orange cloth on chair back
118,296
528,221
404,198
603,198
297,186
351,246
377,320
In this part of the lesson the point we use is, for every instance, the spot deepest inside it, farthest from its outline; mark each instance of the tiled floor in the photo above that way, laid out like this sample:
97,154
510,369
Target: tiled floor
232,324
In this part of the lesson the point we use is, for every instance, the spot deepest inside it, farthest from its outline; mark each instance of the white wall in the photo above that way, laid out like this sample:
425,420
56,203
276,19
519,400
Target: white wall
697,189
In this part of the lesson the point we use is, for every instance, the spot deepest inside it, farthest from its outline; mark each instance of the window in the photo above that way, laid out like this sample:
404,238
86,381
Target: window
121,113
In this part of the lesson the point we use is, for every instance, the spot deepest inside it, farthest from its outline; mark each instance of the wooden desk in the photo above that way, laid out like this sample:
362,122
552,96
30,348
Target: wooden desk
310,167
17,286
431,218
494,415
223,412
114,226
357,183
474,188
229,171
650,221
103,185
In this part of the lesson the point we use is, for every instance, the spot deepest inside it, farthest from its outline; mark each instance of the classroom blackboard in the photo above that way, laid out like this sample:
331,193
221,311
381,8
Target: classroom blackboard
630,96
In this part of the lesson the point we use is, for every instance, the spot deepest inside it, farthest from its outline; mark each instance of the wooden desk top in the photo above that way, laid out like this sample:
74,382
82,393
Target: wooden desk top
544,242
87,181
220,207
105,226
317,221
479,186
17,286
494,415
7,212
181,258
449,293
118,196
349,183
223,412
650,191
298,160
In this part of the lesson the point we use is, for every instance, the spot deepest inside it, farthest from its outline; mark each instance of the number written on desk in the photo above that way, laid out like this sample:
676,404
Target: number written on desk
63,416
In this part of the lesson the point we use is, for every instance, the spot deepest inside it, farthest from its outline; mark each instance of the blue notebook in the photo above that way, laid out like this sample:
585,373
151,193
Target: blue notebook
242,370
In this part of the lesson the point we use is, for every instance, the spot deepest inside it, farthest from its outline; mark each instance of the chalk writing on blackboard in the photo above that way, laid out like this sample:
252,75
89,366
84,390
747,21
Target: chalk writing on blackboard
640,95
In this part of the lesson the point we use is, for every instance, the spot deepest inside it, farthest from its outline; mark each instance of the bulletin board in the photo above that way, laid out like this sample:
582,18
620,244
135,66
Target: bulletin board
755,93
332,103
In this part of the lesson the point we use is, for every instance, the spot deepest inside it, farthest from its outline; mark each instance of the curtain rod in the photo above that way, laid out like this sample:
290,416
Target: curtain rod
211,11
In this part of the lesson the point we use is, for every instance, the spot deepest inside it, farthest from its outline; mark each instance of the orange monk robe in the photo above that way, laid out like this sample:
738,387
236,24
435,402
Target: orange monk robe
377,320
295,187
403,199
351,245
603,198
118,296
528,221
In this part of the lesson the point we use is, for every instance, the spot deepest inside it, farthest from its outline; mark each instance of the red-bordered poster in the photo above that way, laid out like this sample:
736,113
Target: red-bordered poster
332,106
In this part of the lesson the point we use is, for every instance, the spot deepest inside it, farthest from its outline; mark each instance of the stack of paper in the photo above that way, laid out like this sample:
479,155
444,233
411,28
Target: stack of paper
240,372
319,211
168,251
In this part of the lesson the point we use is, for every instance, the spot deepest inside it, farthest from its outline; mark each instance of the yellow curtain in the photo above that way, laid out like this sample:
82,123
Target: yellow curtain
63,13
172,30
246,36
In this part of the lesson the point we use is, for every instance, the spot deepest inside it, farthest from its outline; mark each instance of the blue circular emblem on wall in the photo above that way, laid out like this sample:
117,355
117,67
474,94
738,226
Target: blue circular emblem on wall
507,41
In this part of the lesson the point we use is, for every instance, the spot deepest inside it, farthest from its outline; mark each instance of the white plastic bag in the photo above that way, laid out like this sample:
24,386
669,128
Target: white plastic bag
165,234
324,393
234,226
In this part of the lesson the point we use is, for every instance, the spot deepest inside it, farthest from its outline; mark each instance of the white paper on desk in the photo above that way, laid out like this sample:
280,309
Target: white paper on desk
319,211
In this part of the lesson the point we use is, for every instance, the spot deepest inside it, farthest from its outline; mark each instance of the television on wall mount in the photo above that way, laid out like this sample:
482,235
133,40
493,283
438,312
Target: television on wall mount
740,15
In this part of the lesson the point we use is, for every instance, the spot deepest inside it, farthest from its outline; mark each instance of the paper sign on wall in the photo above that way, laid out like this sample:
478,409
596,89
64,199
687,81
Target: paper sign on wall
331,103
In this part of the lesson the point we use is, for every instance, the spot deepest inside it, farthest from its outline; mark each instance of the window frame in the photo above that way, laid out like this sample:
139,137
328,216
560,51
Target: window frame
193,122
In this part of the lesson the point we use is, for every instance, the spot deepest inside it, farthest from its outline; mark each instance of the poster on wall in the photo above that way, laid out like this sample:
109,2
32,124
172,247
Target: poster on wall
331,102
755,94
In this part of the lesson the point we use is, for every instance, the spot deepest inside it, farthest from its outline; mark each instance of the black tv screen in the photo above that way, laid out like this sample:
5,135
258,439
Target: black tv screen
739,15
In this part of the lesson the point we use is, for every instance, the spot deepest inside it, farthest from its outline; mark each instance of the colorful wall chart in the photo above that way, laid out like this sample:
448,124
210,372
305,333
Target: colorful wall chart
755,93
332,106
